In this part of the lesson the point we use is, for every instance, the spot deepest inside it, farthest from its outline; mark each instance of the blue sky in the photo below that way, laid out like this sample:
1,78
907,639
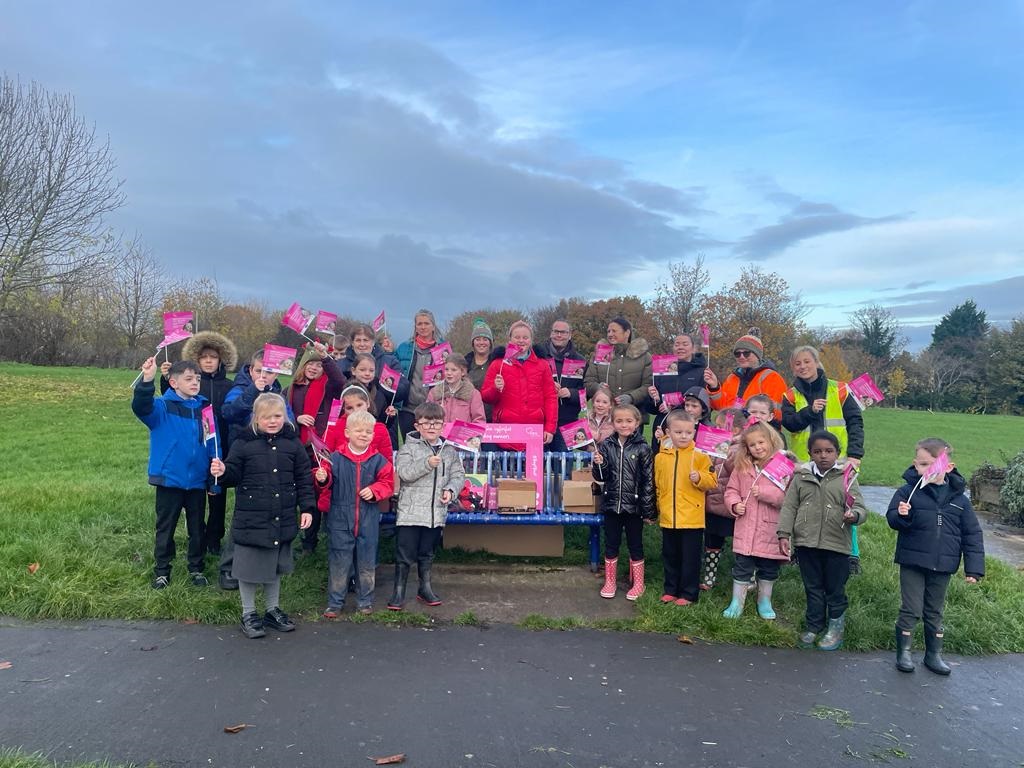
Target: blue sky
458,155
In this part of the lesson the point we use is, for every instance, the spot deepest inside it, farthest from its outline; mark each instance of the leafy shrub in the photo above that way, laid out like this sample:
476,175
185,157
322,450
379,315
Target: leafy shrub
1012,493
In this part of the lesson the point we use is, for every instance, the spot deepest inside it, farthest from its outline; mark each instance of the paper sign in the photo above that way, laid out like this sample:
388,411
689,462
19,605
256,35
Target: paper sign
277,359
209,424
512,351
664,365
389,378
865,391
464,434
335,413
577,434
179,321
297,318
938,468
433,375
532,437
379,322
439,354
849,475
603,353
778,469
573,369
705,336
672,399
713,441
326,322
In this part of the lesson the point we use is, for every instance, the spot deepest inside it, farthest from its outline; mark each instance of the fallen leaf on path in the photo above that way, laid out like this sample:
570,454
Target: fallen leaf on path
149,647
389,760
33,567
685,639
235,728
190,621
5,665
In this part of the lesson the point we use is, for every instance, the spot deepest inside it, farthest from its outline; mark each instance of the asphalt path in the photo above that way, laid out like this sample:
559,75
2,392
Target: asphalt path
338,694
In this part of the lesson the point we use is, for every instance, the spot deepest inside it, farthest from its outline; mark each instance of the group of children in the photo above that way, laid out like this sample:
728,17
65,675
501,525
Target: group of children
698,502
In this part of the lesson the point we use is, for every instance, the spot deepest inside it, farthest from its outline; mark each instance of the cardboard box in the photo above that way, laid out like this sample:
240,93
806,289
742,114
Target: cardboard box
519,540
582,475
517,495
578,497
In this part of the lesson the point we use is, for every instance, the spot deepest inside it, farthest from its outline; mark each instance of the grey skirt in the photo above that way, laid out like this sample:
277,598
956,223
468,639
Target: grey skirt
261,564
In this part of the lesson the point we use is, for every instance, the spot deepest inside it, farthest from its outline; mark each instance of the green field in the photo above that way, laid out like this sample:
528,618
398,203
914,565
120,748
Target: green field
75,500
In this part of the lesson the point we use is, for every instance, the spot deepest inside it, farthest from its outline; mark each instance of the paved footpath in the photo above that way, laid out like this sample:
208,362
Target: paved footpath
334,695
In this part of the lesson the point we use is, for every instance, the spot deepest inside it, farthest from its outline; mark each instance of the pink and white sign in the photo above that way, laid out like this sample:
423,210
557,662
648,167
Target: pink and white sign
672,399
209,424
532,437
389,378
439,354
278,359
576,434
178,326
297,318
335,413
779,469
379,321
512,351
705,337
573,369
865,391
320,449
938,468
713,441
433,375
464,434
603,353
326,322
583,401
664,365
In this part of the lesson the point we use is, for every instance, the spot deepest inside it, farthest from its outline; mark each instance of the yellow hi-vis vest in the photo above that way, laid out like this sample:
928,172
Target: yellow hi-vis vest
834,421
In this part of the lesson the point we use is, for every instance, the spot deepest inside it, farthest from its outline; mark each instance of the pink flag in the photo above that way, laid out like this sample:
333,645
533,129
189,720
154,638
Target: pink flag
433,375
379,321
729,419
335,413
297,318
603,353
326,322
512,351
778,469
849,474
464,434
938,469
705,336
664,365
209,424
573,369
673,399
553,366
389,378
320,449
277,359
439,353
178,326
865,391
583,401
713,441
577,434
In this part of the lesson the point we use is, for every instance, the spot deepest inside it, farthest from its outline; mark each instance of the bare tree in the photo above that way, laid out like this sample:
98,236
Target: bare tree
676,301
137,291
56,185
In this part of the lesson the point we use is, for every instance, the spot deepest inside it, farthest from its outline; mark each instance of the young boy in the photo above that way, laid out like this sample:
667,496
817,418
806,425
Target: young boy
360,477
178,463
432,475
682,475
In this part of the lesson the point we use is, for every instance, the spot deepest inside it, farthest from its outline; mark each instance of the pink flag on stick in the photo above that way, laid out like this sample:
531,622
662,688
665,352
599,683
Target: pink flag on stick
297,318
664,365
865,391
209,424
326,322
389,378
673,399
729,419
335,413
433,375
603,353
277,359
713,441
512,351
439,354
779,469
576,434
938,468
178,326
583,401
553,366
572,369
379,321
705,337
464,434
320,449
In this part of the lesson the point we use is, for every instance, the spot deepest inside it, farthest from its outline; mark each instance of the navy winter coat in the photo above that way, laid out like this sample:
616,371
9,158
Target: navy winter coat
272,478
237,407
940,527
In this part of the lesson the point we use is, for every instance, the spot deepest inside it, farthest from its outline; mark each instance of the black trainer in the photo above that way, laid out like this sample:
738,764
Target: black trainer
225,582
277,619
252,625
161,582
198,580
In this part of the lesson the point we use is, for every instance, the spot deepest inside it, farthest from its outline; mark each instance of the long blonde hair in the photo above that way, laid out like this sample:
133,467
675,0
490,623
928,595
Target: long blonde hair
743,458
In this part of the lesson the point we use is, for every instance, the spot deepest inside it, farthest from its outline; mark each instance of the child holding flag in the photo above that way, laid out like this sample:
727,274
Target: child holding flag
935,526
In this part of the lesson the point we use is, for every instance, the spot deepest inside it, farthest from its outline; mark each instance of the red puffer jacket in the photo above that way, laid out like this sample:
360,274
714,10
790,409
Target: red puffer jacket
529,395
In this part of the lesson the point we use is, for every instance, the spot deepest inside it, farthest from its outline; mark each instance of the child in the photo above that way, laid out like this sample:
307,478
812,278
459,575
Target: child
432,475
681,476
359,478
695,403
935,526
762,408
718,520
364,373
269,467
457,395
822,505
178,463
623,462
600,416
754,501
355,398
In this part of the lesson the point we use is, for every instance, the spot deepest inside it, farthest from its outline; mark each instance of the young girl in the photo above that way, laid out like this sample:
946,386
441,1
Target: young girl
355,398
600,416
270,468
935,526
762,408
624,463
822,506
754,501
718,520
456,394
364,373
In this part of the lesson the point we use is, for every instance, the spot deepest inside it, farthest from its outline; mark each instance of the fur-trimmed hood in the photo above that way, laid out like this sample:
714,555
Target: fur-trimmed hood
200,341
636,348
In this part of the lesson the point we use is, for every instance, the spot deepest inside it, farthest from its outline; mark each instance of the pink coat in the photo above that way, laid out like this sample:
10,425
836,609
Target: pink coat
755,532
464,404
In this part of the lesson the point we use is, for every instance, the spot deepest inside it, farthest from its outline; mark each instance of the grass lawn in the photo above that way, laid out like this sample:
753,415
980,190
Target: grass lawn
16,758
76,502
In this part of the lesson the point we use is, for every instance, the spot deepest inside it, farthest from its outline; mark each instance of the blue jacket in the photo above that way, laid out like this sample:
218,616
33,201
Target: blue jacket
177,456
406,350
237,408
941,525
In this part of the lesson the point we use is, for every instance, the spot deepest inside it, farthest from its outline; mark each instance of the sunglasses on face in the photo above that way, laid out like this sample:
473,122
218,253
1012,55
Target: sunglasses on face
742,353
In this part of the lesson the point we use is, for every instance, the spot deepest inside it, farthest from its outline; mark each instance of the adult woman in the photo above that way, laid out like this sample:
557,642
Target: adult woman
413,355
628,374
690,367
521,389
752,376
364,343
479,357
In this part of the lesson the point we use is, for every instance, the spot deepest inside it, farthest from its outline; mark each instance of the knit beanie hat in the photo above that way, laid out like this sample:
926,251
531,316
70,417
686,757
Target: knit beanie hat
481,328
309,354
749,343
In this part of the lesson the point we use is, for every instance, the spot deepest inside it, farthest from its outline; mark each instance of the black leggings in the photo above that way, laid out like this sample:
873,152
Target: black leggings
613,526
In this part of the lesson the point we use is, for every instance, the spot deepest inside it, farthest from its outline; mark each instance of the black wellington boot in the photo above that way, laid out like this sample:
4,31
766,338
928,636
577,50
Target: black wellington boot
397,601
425,593
933,652
904,661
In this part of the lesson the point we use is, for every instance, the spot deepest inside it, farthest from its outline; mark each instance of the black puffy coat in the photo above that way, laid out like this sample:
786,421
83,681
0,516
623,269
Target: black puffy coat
628,476
568,407
689,373
272,475
940,527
